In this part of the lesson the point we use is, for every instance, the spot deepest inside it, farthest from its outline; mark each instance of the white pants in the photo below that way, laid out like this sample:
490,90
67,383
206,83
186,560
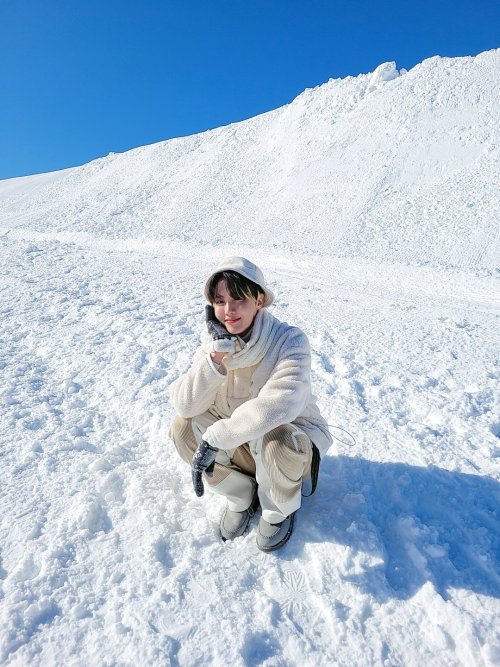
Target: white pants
274,466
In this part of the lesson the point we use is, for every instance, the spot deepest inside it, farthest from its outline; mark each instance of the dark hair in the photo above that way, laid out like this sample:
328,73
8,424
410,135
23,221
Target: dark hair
238,286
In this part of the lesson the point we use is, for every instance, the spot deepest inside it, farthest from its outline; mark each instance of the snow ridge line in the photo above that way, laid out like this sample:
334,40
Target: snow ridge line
371,278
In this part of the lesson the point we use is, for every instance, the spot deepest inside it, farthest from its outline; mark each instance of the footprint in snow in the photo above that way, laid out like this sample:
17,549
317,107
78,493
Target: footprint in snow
162,554
495,429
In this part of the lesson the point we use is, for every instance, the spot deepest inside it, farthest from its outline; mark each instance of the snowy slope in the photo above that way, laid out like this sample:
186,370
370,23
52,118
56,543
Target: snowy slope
401,168
106,555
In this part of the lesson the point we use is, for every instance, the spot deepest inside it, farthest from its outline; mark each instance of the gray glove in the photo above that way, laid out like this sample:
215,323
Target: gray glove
223,341
203,461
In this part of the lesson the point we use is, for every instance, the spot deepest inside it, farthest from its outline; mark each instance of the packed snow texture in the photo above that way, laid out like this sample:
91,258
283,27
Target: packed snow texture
372,205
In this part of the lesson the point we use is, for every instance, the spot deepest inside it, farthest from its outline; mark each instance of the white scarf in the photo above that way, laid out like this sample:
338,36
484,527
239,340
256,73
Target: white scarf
264,330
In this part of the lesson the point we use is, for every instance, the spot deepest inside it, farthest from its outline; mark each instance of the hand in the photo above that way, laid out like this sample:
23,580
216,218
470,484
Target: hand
218,357
223,340
203,461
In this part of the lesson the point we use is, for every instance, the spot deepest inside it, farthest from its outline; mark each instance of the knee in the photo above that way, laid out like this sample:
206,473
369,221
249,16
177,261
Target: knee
181,433
287,449
287,436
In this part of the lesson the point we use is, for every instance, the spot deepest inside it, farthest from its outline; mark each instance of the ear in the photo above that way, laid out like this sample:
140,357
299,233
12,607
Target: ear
260,301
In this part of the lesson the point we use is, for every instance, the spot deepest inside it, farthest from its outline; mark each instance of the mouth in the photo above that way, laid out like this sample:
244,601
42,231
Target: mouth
232,321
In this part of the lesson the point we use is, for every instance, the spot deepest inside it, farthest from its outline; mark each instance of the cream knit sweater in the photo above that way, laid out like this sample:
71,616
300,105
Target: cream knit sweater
265,384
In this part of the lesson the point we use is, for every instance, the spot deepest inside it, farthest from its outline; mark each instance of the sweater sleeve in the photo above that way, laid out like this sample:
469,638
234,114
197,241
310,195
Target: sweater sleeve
280,401
194,392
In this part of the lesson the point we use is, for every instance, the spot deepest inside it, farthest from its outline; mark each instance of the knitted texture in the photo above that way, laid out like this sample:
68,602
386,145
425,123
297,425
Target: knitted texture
203,462
287,457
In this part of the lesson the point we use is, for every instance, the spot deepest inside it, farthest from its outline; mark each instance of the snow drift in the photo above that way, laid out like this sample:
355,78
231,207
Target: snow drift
400,167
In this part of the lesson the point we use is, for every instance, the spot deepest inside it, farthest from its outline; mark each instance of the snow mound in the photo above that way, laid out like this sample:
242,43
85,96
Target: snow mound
384,72
380,166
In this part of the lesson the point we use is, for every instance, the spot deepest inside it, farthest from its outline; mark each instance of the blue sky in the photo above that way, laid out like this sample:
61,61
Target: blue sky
81,78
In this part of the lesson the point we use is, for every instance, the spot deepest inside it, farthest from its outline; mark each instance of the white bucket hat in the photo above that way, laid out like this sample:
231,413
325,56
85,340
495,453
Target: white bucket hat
245,268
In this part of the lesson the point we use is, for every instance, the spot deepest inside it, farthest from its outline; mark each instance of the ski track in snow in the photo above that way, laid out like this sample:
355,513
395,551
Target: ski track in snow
109,558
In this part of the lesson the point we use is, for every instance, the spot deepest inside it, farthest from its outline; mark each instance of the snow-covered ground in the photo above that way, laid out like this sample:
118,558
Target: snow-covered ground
372,206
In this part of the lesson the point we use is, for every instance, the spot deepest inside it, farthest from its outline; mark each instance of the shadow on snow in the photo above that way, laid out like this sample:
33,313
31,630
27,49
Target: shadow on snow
417,524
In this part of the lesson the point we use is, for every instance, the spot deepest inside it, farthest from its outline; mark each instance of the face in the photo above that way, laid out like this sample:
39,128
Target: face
237,315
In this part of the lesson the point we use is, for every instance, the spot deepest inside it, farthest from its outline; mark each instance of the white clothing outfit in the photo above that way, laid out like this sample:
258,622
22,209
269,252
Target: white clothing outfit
264,385
277,500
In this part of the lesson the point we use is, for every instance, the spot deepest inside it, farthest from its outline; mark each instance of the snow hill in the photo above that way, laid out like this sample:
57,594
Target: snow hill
372,205
389,166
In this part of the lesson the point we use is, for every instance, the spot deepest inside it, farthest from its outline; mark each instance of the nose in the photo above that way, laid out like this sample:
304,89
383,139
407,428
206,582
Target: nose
230,306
